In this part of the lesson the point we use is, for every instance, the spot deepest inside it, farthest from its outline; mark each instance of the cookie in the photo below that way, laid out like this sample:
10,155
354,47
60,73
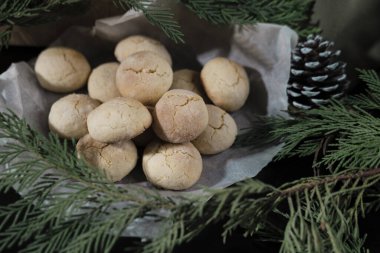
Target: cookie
172,166
118,119
145,77
226,83
61,69
102,82
180,116
117,160
220,133
68,115
138,43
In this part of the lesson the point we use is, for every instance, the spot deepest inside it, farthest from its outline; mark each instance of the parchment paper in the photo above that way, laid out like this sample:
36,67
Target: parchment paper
264,50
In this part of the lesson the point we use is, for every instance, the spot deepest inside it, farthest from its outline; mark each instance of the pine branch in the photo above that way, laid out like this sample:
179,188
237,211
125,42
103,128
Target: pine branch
29,12
5,36
293,13
341,135
324,210
352,133
88,197
80,218
188,219
370,100
319,218
357,136
157,15
310,184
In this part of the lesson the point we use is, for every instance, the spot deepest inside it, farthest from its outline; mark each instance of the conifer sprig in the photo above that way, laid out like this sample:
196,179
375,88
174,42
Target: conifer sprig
294,13
316,213
341,135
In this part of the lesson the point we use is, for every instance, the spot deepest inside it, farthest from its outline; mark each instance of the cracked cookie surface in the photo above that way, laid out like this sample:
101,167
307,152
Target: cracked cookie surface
117,160
220,133
138,43
226,83
68,115
172,166
144,76
102,82
61,69
180,116
117,119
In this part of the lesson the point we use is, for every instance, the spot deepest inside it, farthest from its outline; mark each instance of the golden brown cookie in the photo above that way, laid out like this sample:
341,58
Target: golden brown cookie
172,166
220,133
61,69
145,77
138,43
117,160
226,83
118,119
68,115
180,116
102,82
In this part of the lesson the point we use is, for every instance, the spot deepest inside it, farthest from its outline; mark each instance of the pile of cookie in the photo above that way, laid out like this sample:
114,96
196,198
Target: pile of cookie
140,101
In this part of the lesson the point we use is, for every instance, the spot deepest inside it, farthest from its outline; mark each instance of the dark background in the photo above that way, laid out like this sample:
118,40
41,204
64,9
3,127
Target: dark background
355,28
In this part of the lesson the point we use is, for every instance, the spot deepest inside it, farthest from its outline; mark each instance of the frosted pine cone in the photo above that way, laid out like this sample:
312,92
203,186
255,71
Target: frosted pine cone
316,74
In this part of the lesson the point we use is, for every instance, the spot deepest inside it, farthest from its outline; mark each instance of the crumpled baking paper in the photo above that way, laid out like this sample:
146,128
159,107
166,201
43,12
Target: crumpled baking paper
264,50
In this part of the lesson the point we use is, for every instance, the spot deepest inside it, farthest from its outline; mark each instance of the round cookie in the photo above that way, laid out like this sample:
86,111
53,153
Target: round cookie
226,83
68,115
220,133
186,79
117,119
180,116
145,77
172,166
138,43
117,160
61,69
102,82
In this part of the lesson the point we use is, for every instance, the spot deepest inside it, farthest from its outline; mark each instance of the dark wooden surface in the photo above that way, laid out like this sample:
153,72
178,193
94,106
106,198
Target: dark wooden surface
210,240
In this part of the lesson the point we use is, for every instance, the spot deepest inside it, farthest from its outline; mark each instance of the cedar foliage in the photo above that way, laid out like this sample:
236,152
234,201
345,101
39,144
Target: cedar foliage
295,13
320,213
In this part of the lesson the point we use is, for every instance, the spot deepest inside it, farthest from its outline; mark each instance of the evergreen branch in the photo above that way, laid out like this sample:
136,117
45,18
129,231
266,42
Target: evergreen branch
295,13
357,136
88,196
340,135
28,12
319,218
75,220
324,218
372,79
292,13
189,218
5,36
157,15
352,134
370,100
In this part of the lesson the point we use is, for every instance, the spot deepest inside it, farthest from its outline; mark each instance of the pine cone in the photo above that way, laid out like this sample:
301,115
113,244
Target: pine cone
316,74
